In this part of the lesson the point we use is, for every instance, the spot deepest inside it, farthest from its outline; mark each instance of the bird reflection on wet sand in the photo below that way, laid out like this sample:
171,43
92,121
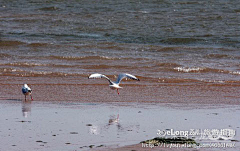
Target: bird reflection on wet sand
26,108
97,129
113,120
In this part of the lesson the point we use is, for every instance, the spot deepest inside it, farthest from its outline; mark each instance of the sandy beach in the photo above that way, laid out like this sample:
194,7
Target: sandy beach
69,125
185,53
80,88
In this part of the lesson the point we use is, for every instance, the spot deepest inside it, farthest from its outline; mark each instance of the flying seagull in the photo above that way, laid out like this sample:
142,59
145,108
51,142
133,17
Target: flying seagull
26,91
114,85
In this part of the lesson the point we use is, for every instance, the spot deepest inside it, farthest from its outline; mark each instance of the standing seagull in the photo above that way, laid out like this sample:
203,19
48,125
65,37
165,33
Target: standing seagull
26,91
114,85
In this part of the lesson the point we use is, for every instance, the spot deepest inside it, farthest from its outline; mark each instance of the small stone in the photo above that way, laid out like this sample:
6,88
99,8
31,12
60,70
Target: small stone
39,141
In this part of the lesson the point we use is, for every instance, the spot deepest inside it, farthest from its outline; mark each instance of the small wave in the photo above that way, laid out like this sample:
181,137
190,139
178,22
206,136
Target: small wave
45,73
23,73
214,81
188,69
10,71
194,81
199,69
65,35
22,64
89,35
235,72
82,58
202,69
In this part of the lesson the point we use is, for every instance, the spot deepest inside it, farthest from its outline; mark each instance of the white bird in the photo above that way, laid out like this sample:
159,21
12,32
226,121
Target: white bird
114,85
26,91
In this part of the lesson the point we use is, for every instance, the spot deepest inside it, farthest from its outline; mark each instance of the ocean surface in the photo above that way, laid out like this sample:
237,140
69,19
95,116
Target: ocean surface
163,42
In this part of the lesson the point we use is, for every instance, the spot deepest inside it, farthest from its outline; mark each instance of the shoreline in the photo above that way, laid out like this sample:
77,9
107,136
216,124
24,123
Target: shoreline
68,125
100,92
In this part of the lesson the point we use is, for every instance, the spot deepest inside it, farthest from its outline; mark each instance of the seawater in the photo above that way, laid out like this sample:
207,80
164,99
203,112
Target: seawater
171,41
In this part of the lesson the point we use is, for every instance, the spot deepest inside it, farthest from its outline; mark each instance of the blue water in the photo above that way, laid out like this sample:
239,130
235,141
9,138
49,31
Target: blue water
211,23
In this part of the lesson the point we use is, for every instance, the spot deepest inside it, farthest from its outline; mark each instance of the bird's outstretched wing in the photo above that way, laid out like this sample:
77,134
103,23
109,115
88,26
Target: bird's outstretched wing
97,75
126,75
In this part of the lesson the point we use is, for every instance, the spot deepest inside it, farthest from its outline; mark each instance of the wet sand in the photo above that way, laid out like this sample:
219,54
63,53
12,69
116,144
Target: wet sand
73,112
71,125
96,90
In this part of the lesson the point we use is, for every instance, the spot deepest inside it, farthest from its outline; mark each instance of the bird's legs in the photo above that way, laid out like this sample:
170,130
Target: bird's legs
117,117
31,97
118,92
25,98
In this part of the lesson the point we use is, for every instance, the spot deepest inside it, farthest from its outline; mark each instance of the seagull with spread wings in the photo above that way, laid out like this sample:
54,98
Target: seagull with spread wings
114,85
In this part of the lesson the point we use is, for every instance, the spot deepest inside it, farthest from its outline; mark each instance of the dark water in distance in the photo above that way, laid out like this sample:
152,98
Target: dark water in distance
147,22
171,41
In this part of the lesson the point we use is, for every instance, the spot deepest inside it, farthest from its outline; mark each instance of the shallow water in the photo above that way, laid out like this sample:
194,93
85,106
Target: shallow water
75,126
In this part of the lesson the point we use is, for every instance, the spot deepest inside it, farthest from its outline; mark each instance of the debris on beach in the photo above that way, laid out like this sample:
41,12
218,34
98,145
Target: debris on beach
93,146
73,132
24,121
176,140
